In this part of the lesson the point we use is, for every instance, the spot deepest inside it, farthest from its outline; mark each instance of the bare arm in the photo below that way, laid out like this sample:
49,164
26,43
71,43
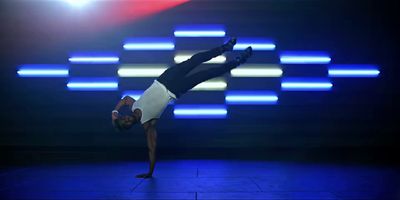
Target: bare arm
126,101
151,134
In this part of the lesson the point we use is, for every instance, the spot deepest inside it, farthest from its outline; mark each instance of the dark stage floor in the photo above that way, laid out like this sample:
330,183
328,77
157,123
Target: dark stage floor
200,179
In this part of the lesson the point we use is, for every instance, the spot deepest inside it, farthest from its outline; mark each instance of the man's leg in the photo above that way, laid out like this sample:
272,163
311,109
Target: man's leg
186,66
199,77
173,76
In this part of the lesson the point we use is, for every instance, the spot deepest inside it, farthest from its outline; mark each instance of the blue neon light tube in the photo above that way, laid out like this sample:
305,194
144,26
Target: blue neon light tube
200,111
43,70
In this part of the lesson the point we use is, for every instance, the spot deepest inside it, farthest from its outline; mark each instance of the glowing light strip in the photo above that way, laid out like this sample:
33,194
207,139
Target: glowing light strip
215,85
183,57
306,85
93,60
353,71
257,71
141,71
149,46
43,73
92,84
256,43
200,111
304,58
254,46
199,33
248,97
43,70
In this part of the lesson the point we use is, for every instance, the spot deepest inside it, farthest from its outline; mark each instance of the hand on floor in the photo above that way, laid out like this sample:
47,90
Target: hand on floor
145,175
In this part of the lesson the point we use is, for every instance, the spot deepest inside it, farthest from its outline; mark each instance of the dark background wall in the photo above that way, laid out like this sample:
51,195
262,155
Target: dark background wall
357,113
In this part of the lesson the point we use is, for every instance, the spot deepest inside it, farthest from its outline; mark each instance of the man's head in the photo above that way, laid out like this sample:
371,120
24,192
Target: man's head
125,122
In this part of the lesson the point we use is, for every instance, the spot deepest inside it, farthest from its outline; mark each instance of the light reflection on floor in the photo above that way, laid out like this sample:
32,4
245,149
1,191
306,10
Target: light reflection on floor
201,179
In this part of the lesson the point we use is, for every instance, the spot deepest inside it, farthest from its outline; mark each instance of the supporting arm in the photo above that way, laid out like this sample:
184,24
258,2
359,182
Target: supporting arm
151,134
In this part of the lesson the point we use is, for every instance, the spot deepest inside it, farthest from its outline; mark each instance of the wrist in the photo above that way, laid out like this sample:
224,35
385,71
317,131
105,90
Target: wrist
115,111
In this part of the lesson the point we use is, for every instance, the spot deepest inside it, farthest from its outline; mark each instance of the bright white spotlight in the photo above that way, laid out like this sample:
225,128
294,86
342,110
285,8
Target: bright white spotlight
77,3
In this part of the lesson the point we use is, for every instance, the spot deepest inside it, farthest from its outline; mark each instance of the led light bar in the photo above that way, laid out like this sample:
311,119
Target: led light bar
200,111
252,70
304,58
93,59
93,84
200,31
306,84
141,70
183,57
134,44
257,44
251,97
353,71
43,70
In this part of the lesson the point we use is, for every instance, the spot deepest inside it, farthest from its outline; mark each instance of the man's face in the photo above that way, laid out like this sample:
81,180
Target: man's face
127,121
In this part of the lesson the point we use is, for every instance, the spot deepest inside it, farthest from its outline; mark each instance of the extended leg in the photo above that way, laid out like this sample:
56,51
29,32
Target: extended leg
199,77
173,76
194,79
186,66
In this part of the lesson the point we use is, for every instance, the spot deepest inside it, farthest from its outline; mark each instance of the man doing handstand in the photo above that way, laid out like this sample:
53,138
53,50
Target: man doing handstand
171,85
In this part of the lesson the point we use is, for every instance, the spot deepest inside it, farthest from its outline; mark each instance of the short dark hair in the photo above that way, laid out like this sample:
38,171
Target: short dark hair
120,126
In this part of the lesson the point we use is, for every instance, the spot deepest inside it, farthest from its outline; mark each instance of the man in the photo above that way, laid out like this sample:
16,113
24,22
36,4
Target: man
173,83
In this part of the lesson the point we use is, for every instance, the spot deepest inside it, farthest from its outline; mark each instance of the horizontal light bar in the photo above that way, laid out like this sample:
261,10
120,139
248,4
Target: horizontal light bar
90,59
38,70
141,70
149,44
200,31
255,43
353,71
93,84
251,97
304,58
306,84
216,33
200,111
153,46
183,57
257,71
299,85
42,73
254,46
214,85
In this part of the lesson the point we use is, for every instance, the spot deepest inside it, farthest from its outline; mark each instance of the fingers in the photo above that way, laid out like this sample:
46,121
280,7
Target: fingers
143,176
